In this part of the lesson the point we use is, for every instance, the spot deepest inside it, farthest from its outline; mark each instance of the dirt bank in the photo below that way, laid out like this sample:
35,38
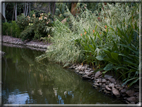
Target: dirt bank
17,42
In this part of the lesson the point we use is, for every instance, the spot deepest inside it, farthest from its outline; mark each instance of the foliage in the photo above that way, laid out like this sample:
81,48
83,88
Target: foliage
106,36
63,50
123,56
28,33
5,28
42,26
35,27
116,42
22,21
11,29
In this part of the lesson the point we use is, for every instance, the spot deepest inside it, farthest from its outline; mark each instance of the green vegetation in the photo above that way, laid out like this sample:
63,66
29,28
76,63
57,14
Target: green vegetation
11,29
106,39
105,36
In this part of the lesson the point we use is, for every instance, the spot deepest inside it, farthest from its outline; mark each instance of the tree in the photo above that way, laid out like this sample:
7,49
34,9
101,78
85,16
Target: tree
3,11
15,8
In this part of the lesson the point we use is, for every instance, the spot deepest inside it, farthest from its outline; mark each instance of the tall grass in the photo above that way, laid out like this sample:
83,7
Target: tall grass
108,37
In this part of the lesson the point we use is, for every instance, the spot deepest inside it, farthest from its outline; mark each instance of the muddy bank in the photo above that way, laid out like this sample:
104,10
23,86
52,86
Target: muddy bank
17,42
108,84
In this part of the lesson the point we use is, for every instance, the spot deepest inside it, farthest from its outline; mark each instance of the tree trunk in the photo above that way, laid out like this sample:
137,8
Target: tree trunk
3,11
73,9
26,9
53,7
15,11
29,8
49,7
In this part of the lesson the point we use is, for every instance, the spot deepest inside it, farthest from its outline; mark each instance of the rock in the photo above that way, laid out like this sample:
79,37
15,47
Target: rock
100,83
72,67
107,82
103,80
130,93
109,89
98,74
85,77
88,73
96,84
123,91
98,80
81,73
89,69
77,71
86,66
112,80
111,85
103,86
106,91
115,92
107,76
136,94
118,87
131,99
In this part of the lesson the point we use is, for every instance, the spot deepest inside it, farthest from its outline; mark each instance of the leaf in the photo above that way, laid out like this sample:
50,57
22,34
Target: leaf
129,80
100,58
108,67
133,82
114,56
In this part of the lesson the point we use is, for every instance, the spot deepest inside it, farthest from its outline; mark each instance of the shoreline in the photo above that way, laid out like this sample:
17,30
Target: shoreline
17,42
107,84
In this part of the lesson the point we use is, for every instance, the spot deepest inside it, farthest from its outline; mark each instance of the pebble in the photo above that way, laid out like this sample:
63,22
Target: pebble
109,89
85,77
123,91
115,92
131,99
130,92
108,84
98,74
103,80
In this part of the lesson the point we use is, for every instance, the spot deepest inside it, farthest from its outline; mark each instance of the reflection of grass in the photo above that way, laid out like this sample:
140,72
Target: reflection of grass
45,77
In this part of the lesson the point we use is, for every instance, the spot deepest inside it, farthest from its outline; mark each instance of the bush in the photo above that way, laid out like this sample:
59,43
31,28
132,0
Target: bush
22,21
15,29
28,33
5,28
42,27
11,29
108,37
38,27
115,43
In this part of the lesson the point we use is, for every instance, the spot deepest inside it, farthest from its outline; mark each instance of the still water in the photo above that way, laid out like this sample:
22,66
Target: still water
26,81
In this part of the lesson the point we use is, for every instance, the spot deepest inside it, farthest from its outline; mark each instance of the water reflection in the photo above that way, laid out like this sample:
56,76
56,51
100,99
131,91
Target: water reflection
26,81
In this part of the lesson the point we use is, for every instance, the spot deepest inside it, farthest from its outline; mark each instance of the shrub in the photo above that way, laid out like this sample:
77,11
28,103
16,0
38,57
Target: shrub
11,29
28,33
42,27
15,29
5,28
115,42
22,21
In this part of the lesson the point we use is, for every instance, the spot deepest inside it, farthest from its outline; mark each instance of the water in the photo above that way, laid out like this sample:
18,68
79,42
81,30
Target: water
26,81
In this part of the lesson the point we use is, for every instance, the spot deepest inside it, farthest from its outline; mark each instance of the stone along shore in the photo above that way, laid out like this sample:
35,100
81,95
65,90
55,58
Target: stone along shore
106,84
17,42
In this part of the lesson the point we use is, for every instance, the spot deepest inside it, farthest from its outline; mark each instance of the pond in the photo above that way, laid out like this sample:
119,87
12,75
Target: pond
26,81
